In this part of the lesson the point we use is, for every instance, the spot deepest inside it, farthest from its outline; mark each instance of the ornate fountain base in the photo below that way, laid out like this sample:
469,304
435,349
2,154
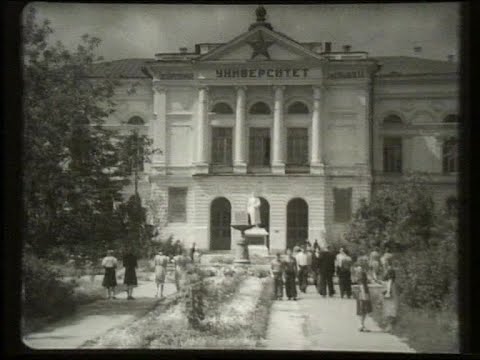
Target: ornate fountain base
241,250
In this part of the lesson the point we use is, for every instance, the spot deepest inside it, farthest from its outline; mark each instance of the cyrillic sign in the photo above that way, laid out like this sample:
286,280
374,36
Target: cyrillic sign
175,76
346,74
262,73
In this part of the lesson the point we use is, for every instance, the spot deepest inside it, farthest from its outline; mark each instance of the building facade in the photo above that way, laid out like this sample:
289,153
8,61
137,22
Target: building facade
309,130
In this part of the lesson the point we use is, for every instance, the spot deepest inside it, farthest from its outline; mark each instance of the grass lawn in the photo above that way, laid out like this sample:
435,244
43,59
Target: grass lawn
425,330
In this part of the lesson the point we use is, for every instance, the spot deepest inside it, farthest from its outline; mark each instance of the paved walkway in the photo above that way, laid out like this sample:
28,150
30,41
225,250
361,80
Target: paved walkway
95,319
316,323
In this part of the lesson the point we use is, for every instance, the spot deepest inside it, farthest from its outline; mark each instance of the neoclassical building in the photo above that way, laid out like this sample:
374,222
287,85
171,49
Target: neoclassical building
310,130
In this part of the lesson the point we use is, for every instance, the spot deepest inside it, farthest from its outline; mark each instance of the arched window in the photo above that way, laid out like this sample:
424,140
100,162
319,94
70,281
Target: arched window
451,118
220,220
260,108
136,120
297,222
392,119
450,155
222,108
297,107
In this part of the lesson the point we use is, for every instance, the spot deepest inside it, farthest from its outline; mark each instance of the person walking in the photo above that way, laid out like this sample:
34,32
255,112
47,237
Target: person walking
364,303
160,262
290,270
316,268
130,277
192,251
109,263
181,262
302,263
374,264
390,296
343,264
276,271
327,270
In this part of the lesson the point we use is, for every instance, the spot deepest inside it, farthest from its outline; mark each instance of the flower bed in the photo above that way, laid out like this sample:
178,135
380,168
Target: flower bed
236,314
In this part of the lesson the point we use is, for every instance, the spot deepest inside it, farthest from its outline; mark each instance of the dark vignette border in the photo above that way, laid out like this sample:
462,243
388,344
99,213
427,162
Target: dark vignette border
12,200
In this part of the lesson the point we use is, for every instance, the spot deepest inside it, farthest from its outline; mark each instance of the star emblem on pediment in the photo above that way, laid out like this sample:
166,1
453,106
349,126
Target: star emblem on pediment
260,46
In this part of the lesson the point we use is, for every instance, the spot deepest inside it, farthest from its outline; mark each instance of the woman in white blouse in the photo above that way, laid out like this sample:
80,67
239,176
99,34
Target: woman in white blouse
109,263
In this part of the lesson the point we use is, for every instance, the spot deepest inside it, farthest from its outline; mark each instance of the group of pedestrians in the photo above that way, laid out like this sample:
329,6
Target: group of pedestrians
181,260
322,265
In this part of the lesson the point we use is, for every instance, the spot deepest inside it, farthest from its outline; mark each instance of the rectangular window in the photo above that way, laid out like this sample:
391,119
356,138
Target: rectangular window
342,204
177,204
259,147
297,146
450,156
222,146
392,154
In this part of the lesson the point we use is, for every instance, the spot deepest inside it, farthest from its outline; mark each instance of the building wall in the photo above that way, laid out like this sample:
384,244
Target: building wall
345,125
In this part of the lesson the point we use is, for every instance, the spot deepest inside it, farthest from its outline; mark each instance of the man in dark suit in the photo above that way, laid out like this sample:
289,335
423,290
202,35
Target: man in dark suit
327,270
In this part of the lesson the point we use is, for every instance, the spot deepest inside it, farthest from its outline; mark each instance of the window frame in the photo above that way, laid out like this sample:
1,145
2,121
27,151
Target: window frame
450,162
177,219
297,149
342,212
250,109
266,146
392,169
227,161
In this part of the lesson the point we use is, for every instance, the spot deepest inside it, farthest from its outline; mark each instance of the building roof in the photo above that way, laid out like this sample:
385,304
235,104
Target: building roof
409,65
125,68
390,65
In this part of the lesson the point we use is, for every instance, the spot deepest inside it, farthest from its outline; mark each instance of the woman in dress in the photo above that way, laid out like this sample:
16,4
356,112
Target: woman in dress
364,303
109,263
290,276
160,262
390,296
181,262
130,278
316,267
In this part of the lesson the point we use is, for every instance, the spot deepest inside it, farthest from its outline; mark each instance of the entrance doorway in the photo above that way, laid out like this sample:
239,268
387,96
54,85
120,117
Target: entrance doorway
297,222
265,216
220,220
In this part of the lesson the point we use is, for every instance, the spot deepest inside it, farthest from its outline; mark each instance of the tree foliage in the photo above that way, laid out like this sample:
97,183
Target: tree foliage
401,214
74,167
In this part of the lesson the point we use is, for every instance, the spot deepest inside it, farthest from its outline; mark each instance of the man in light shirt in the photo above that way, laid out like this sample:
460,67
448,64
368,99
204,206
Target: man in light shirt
302,263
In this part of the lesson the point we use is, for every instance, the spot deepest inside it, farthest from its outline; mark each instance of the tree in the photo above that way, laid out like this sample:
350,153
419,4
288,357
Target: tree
71,170
400,214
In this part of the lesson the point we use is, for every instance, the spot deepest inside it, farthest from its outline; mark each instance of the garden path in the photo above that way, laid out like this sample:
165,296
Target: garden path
330,324
93,320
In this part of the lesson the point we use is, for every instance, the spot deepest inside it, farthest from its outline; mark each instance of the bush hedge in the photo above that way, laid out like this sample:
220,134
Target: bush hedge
44,294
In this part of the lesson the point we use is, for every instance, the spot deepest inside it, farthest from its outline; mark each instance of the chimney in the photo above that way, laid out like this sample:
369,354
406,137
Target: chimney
328,47
451,58
347,48
183,50
417,49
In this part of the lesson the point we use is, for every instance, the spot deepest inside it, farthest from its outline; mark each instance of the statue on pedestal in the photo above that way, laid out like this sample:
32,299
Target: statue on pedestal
253,209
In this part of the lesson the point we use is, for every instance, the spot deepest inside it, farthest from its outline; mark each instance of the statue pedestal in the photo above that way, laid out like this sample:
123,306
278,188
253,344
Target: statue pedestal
241,249
256,238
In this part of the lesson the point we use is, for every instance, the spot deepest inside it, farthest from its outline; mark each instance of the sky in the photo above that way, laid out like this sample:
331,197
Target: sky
141,30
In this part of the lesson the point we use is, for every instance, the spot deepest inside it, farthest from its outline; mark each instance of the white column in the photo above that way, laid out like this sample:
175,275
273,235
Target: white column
316,159
159,128
201,165
278,159
239,156
368,127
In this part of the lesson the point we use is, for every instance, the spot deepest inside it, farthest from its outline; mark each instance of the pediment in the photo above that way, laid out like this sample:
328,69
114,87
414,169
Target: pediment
260,44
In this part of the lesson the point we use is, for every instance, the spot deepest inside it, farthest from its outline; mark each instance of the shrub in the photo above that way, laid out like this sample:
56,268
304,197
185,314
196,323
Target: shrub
44,294
225,259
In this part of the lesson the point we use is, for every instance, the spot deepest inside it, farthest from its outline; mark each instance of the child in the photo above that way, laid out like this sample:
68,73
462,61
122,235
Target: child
364,304
109,263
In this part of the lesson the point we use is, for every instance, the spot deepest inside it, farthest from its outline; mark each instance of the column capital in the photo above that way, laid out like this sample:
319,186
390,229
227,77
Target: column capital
279,88
241,88
203,87
158,87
